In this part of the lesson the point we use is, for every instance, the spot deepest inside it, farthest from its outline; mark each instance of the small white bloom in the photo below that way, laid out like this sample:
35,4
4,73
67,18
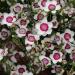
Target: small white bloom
21,32
56,57
43,27
40,15
31,39
67,36
21,69
68,47
45,60
4,34
8,18
17,8
22,22
47,5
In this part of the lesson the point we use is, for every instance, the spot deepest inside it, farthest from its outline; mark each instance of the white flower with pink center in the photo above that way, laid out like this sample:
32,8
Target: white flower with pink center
68,47
40,15
35,6
17,8
22,22
56,56
43,27
16,56
45,60
21,32
4,34
47,5
21,69
31,38
8,18
3,52
68,36
43,4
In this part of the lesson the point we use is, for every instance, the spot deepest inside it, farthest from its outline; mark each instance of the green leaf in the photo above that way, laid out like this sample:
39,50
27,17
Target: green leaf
4,7
11,2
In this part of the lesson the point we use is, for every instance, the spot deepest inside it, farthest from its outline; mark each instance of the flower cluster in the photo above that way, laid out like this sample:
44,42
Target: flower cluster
37,35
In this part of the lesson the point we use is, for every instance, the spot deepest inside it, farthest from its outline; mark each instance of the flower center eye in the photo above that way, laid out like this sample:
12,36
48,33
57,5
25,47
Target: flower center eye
22,31
44,27
9,19
56,56
51,7
31,38
17,56
21,70
67,36
17,8
45,61
23,22
40,16
4,34
43,3
67,46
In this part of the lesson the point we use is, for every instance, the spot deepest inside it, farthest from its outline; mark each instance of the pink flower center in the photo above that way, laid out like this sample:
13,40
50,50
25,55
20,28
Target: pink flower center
45,61
21,70
67,36
22,31
43,3
1,17
49,44
56,56
51,7
17,8
4,34
31,38
44,27
17,56
9,19
40,16
67,46
23,22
